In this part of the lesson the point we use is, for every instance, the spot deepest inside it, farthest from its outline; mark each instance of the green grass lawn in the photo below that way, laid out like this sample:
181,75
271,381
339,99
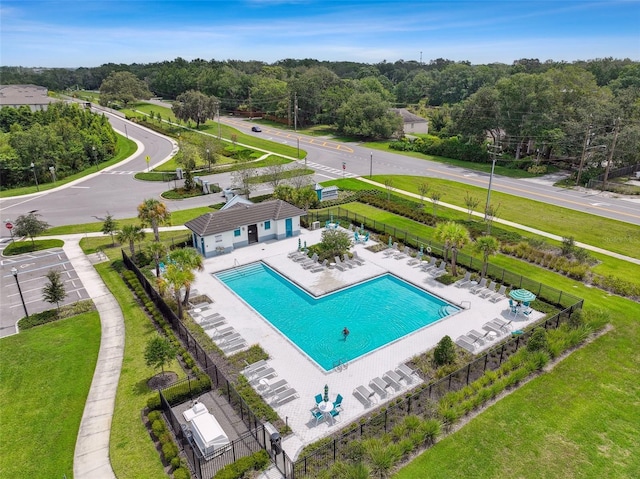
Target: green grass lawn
132,452
21,247
45,379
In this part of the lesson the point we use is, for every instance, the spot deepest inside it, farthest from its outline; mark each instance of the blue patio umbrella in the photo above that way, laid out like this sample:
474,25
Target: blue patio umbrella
522,295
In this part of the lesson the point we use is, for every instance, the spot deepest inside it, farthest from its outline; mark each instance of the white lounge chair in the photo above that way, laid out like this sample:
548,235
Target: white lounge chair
479,287
320,266
228,338
365,395
380,386
357,258
285,396
253,367
490,326
276,387
267,373
500,295
393,378
478,337
349,262
407,373
236,345
466,343
427,266
464,281
489,290
440,270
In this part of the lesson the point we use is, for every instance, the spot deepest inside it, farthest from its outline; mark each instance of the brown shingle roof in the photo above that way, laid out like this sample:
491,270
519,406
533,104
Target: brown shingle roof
407,116
241,215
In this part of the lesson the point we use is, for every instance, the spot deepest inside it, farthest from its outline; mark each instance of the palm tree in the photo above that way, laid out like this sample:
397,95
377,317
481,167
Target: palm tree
187,259
177,278
454,236
488,246
155,213
381,456
131,233
157,250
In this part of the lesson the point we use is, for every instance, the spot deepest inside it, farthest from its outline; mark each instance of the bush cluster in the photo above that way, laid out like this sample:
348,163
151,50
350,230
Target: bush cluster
451,147
162,434
49,315
576,267
255,462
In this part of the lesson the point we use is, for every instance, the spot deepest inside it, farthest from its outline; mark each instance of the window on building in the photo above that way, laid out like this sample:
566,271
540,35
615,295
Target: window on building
236,232
218,238
267,225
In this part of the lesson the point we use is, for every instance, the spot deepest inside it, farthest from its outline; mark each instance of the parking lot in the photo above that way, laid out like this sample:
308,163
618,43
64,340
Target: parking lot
31,275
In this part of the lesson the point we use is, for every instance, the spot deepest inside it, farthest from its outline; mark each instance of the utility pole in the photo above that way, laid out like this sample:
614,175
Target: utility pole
587,138
295,112
616,130
218,113
494,154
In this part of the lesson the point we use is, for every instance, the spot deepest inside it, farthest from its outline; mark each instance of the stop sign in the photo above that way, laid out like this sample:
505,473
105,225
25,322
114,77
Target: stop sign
8,225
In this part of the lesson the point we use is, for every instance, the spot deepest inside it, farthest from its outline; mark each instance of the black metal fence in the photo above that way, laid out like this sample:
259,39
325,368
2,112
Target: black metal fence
422,401
212,364
598,182
501,275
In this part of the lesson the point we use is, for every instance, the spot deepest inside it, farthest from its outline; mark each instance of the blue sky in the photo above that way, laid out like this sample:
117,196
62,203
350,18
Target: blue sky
88,33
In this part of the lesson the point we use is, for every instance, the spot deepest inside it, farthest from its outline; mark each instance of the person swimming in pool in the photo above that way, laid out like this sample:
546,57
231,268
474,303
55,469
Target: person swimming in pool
345,333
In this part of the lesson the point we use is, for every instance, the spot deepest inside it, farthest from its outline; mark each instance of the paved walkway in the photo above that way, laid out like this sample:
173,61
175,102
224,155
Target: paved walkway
91,456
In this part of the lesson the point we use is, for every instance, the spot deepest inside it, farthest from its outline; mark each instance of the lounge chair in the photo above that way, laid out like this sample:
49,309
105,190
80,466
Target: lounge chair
357,259
440,270
416,260
406,373
341,265
393,378
504,325
220,332
365,395
464,281
490,326
229,338
267,373
349,262
337,404
276,387
253,366
320,266
479,287
401,254
380,386
500,295
285,396
234,346
213,323
478,337
489,290
465,342
427,266
317,415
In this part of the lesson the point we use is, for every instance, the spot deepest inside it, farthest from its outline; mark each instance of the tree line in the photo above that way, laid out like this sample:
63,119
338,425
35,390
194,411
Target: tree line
59,141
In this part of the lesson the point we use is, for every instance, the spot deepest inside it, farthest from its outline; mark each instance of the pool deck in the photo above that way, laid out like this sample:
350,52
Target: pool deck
303,374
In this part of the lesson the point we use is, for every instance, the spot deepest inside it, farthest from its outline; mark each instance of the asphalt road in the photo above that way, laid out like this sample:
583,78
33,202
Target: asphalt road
116,191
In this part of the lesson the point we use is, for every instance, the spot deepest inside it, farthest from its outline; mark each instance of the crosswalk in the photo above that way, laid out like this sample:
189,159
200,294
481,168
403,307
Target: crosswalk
327,169
117,172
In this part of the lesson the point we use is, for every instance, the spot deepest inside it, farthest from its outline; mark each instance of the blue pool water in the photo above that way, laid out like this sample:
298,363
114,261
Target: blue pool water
376,312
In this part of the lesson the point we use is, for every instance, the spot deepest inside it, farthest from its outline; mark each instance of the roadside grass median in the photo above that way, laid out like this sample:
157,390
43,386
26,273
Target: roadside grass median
21,247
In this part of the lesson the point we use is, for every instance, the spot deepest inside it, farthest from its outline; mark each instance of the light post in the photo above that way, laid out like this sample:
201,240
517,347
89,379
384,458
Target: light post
35,177
52,170
494,154
14,272
93,150
298,147
370,165
209,159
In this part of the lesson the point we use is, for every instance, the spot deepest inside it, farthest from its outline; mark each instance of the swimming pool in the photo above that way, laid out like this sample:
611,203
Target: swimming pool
376,312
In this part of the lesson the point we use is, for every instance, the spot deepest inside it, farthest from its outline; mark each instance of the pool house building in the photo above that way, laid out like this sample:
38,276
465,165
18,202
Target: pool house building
243,224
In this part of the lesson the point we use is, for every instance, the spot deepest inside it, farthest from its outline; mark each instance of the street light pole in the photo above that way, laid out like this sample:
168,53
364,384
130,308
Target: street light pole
370,165
14,272
35,177
93,149
298,148
494,153
209,159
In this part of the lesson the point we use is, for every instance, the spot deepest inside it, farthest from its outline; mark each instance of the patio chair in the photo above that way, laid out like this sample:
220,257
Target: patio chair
479,287
356,237
489,290
335,414
337,404
477,336
440,270
348,261
365,395
380,386
500,295
406,372
464,281
357,259
318,399
393,378
427,266
317,415
285,396
466,343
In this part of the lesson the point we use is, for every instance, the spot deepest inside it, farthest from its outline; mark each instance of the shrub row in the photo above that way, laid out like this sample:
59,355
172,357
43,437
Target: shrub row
574,268
258,461
451,147
49,315
170,452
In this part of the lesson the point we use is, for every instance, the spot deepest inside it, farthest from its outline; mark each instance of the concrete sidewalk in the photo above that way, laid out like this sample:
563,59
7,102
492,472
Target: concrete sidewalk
91,456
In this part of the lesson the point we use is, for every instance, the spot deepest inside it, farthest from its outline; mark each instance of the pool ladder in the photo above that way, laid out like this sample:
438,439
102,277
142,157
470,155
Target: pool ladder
340,364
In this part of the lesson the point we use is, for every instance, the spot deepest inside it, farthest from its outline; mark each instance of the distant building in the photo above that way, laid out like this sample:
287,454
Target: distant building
242,224
412,123
34,96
